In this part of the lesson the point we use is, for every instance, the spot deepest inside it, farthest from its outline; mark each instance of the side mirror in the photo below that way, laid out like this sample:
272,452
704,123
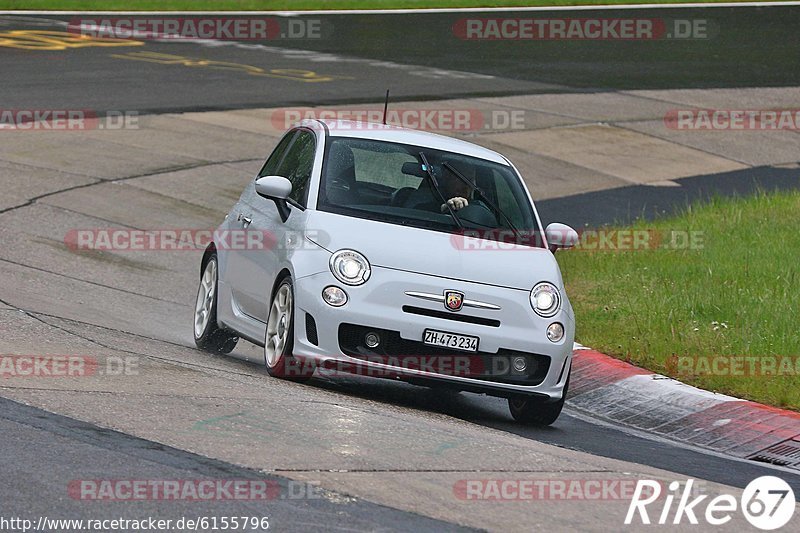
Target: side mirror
277,189
274,187
560,236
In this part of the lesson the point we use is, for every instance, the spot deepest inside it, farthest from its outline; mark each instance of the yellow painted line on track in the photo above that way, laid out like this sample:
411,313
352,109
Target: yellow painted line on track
306,76
45,40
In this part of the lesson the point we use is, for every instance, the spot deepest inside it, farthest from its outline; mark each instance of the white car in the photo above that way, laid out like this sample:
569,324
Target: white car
393,253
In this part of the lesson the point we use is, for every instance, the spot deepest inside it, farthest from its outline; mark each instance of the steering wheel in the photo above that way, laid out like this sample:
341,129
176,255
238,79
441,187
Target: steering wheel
478,213
400,196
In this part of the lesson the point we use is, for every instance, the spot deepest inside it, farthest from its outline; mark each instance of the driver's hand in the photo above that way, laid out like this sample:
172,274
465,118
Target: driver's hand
455,204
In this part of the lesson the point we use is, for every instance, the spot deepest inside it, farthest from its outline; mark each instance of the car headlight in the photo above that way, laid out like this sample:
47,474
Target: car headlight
545,299
350,267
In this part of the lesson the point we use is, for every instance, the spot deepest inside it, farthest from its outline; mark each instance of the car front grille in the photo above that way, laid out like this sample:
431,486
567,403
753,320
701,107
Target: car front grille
449,315
396,351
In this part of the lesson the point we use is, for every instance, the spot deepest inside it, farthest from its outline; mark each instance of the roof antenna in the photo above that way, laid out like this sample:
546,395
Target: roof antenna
385,106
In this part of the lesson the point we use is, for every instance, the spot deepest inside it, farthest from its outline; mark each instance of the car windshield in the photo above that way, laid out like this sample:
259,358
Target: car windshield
427,188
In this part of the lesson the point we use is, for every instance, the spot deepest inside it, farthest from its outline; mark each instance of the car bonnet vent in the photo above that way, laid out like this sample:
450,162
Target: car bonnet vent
311,330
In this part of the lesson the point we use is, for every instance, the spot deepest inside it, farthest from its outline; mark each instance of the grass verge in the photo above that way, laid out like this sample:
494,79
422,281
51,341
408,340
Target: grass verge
676,312
297,5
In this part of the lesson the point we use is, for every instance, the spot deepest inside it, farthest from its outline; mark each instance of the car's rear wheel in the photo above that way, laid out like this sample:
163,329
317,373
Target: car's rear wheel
534,411
279,339
208,335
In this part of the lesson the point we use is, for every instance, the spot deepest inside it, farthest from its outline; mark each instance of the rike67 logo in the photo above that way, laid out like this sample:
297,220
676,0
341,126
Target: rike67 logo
767,503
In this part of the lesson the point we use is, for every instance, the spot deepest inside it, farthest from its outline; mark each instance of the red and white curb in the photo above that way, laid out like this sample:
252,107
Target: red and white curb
625,394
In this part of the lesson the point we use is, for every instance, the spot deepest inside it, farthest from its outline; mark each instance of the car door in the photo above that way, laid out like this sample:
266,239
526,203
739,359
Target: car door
259,268
240,266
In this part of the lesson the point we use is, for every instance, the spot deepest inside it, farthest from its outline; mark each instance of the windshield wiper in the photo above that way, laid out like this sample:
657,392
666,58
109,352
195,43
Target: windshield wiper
429,172
485,198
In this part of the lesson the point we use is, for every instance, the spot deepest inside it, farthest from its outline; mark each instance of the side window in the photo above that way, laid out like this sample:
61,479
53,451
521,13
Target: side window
297,165
271,166
508,202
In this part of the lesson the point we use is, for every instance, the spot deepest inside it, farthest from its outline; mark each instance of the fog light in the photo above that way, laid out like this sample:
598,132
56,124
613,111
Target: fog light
555,332
519,364
372,340
334,296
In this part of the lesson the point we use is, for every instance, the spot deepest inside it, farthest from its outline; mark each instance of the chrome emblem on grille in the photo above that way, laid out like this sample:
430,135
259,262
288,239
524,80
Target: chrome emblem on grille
453,300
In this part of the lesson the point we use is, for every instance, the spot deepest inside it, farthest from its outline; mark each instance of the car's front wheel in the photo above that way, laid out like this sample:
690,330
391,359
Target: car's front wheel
208,335
534,411
279,339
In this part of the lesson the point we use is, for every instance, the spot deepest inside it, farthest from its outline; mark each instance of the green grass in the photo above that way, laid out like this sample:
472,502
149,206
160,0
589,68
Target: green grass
295,5
651,307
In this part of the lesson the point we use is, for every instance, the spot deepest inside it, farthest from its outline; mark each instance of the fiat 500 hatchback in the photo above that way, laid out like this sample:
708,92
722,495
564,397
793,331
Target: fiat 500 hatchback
388,252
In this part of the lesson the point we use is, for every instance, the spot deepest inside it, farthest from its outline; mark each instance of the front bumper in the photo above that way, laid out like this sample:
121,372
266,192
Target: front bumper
382,304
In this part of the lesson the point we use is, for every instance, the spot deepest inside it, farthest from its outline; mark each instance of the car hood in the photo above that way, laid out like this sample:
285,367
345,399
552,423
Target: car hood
435,253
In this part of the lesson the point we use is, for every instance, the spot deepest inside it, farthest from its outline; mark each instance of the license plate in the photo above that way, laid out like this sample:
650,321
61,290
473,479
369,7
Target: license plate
467,343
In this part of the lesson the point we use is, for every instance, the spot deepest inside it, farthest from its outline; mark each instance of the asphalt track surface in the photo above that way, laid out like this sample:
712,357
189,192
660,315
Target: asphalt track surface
65,449
418,56
120,78
34,483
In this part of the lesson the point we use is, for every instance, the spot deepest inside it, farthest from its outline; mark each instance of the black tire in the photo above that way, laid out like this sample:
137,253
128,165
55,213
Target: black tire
209,336
533,411
285,366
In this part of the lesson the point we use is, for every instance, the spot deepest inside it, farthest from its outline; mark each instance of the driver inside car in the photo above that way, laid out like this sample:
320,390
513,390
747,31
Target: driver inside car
458,192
